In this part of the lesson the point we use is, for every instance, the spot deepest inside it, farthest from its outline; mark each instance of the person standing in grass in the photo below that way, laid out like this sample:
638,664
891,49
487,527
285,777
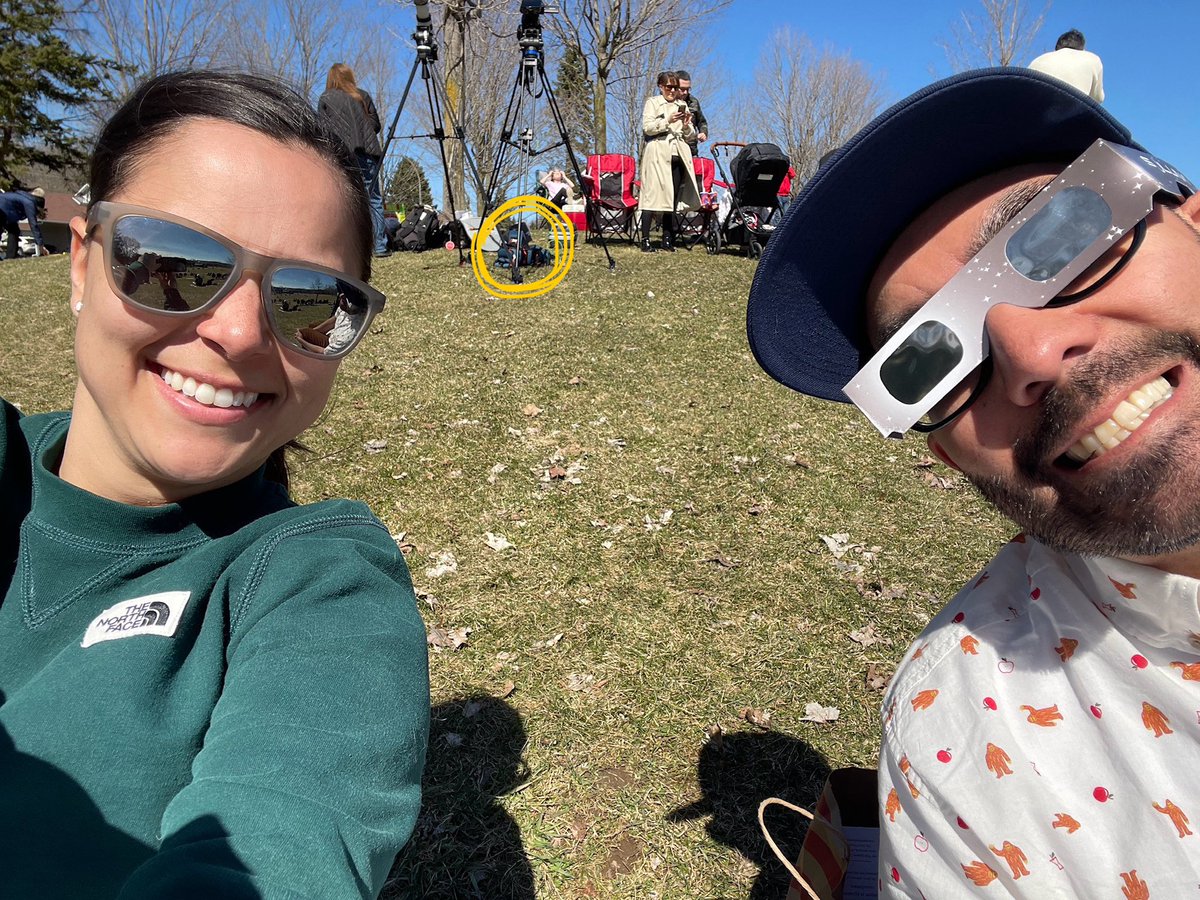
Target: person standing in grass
16,205
1070,62
1025,293
349,112
206,690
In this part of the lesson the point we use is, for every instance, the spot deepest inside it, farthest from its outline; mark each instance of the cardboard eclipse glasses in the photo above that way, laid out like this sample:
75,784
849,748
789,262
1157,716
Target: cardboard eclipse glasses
1043,248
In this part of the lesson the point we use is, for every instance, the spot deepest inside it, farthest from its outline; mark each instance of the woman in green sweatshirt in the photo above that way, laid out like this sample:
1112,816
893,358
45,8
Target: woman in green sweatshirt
205,689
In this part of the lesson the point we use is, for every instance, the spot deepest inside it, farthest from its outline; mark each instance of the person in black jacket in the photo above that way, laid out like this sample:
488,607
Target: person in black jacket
348,111
698,121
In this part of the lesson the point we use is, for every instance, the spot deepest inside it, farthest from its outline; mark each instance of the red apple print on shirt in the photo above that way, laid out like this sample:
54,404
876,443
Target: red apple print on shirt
1096,711
961,823
1139,661
1035,593
895,875
943,756
1005,666
989,703
921,843
1102,794
958,618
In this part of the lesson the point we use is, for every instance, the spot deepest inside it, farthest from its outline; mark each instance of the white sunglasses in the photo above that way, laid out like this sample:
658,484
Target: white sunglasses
1052,240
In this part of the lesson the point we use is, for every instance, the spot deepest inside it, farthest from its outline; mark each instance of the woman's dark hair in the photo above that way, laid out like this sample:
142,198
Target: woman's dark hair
668,78
159,106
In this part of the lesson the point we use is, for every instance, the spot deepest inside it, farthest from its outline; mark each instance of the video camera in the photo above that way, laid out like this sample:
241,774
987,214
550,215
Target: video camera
423,35
529,35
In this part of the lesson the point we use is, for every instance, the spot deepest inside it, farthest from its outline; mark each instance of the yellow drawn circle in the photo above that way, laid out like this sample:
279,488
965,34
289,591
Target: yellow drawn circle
562,233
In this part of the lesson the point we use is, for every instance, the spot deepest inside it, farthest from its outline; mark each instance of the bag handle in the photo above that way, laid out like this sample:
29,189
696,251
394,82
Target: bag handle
787,863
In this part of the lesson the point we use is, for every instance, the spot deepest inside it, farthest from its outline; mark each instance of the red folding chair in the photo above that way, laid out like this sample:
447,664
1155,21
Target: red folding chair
609,201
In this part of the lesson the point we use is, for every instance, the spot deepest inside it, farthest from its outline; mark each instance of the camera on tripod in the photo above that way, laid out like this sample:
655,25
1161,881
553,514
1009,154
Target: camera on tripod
529,35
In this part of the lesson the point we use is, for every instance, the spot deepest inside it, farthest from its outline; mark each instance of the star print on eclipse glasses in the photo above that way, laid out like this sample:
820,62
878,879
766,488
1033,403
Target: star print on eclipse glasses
171,266
933,367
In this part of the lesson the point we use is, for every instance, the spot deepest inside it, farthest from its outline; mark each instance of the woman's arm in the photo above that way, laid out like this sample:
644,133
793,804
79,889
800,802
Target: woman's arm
654,118
308,782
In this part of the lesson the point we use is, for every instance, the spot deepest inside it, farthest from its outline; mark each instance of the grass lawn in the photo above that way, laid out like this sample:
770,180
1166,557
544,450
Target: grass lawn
633,545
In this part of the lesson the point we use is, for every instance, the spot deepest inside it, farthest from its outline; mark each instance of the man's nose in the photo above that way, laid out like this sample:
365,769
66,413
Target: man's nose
1032,349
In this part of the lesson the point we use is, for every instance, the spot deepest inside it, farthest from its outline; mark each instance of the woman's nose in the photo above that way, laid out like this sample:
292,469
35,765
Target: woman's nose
1033,349
238,324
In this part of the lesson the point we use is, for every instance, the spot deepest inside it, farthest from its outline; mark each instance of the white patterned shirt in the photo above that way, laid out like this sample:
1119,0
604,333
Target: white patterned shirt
1041,738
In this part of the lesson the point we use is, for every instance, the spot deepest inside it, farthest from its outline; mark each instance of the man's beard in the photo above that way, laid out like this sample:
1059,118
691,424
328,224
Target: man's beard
1148,506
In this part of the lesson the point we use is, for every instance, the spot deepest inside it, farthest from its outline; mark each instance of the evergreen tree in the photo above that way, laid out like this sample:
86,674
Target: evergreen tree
575,93
407,186
40,69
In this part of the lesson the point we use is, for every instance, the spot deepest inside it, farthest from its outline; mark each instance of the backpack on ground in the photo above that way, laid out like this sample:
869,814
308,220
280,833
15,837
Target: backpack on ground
419,230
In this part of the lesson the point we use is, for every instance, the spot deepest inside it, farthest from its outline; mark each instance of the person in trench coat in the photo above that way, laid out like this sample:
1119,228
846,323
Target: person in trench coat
668,181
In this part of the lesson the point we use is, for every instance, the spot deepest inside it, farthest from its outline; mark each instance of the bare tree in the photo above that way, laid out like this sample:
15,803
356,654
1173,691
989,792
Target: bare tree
1000,33
610,34
809,101
148,38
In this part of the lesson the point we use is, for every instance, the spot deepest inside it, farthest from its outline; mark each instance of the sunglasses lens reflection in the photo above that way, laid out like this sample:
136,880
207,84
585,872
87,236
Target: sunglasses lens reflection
920,363
316,311
164,266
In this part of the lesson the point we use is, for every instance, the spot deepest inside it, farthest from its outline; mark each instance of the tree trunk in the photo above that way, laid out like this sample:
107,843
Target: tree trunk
600,105
455,100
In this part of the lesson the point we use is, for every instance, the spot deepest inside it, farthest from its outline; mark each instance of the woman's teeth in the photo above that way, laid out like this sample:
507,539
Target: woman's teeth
205,393
1124,420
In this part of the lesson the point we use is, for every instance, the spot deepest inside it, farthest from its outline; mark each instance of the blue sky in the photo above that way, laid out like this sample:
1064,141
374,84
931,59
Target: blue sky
1148,49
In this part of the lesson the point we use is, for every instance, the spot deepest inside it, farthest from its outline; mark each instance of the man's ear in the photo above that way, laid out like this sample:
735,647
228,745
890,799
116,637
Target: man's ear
1190,210
79,254
936,448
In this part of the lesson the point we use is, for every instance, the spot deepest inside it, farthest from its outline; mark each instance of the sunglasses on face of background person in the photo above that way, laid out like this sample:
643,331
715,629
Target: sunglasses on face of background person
171,266
937,363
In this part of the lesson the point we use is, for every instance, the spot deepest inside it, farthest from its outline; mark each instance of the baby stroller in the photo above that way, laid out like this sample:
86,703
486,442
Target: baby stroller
750,208
693,226
608,194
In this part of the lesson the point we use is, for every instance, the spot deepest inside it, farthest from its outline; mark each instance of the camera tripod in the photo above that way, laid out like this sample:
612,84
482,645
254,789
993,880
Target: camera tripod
531,81
426,56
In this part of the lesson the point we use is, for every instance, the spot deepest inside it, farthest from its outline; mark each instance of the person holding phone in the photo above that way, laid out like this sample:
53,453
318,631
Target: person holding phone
668,182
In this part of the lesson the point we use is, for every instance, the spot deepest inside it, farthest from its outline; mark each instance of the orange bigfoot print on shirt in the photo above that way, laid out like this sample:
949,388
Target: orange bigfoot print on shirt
980,873
1133,887
1062,820
997,761
1046,717
892,806
1066,648
924,700
969,645
1014,856
1154,720
1177,816
1187,671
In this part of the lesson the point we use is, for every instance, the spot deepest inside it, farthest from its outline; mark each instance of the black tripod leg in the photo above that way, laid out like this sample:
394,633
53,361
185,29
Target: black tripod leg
510,120
399,109
435,112
562,131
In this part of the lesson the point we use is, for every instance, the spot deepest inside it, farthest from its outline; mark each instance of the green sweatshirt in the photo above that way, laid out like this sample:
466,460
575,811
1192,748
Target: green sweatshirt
226,697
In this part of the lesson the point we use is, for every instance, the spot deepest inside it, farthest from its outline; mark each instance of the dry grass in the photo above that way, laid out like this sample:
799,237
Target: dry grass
681,581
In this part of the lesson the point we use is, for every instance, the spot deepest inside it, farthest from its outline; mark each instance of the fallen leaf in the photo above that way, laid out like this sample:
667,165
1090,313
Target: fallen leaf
556,472
505,690
941,482
471,709
838,544
714,734
759,717
378,445
792,459
580,681
497,542
619,443
444,563
865,636
875,679
815,712
576,380
406,546
531,410
495,471
452,739
548,643
448,638
756,509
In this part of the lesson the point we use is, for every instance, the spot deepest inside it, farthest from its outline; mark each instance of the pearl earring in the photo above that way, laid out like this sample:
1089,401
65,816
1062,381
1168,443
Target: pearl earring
79,306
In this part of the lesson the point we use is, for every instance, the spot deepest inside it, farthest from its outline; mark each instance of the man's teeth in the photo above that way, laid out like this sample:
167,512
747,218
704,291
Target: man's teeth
205,393
1125,419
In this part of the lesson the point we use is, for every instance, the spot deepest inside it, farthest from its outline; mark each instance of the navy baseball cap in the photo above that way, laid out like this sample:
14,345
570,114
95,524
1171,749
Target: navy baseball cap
805,318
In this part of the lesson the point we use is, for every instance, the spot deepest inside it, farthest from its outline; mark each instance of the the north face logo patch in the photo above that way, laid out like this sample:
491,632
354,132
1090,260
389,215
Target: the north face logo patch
152,614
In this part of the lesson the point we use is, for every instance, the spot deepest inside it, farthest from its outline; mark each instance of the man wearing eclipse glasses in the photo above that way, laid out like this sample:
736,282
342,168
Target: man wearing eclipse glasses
996,263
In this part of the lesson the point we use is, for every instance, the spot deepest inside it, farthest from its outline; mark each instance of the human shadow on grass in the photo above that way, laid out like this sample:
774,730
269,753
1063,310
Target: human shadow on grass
465,844
738,771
